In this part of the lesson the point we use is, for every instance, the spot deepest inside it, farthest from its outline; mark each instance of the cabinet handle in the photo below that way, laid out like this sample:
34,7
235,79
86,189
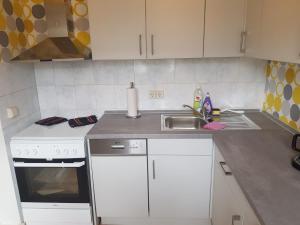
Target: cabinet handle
225,168
152,44
153,170
140,44
243,42
235,218
118,147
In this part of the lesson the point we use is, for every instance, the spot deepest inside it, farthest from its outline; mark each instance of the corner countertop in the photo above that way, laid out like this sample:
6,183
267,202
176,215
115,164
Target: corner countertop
259,159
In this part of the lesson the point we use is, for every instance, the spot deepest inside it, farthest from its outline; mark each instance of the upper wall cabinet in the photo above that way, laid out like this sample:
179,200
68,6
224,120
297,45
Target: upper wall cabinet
224,28
281,30
276,35
118,29
175,28
253,27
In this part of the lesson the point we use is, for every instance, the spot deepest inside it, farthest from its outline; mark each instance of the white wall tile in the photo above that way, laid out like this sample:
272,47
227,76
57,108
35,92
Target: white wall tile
66,98
83,72
113,72
93,87
44,73
154,71
186,70
251,70
105,97
48,98
120,94
85,97
63,73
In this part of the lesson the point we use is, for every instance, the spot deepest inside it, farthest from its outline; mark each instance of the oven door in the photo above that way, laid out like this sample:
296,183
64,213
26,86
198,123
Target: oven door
57,181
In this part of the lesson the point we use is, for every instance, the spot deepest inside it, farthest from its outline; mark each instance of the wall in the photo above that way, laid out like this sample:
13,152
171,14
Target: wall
23,24
283,92
17,88
80,88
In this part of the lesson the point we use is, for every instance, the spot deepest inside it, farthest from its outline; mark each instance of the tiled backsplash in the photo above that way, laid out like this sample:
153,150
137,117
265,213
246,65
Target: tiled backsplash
17,88
283,92
80,88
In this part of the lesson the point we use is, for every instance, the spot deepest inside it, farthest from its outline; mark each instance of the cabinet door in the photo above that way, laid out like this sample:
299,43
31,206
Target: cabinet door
175,28
253,27
229,203
224,27
222,208
117,29
179,186
281,30
120,186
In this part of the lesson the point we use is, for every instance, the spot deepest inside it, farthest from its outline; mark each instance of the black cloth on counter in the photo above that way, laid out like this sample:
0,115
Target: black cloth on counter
51,121
82,121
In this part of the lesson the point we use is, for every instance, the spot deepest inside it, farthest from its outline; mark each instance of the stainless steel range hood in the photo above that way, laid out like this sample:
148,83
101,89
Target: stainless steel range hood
60,43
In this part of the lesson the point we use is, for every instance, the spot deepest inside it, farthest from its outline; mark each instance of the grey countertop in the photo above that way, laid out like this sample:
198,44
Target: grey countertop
259,159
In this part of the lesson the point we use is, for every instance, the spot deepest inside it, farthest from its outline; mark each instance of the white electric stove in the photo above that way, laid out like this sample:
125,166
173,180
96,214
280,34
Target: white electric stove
52,175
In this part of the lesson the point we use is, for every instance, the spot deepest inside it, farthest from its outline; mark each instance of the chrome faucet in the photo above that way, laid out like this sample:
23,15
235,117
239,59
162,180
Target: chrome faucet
201,114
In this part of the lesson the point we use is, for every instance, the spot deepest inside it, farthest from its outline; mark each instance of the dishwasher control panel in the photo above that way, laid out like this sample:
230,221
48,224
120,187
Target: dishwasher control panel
118,146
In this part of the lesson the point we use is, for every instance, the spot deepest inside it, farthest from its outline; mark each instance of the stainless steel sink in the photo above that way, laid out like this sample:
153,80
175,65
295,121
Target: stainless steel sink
182,122
187,122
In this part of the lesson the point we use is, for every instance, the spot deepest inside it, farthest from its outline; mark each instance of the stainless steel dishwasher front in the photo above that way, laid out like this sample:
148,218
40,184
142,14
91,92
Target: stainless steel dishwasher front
120,178
118,147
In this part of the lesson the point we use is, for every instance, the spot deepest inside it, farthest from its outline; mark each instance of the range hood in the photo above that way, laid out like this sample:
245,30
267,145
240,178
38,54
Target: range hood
60,43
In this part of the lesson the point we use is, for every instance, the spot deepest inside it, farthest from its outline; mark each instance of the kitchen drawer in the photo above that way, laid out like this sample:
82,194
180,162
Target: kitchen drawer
180,147
57,216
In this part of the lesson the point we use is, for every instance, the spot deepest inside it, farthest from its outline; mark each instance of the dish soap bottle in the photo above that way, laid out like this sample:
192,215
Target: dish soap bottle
198,98
207,104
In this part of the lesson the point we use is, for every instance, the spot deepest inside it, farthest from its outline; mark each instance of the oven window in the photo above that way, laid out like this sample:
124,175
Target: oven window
51,182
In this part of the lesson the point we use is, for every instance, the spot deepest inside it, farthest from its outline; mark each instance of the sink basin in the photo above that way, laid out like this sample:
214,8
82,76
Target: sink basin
189,122
182,122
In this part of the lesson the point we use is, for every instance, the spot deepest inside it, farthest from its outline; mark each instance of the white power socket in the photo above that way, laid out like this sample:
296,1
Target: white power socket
156,94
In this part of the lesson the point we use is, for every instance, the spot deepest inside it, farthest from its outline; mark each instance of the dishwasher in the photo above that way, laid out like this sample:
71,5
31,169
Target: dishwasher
120,180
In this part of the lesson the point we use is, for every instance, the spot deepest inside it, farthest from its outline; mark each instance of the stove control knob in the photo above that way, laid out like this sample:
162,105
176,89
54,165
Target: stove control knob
57,151
27,152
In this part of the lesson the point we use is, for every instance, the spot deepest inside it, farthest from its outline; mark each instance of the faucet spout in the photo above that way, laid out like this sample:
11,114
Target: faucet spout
201,114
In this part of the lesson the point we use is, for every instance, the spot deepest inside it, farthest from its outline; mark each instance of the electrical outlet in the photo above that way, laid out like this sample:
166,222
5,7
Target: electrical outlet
156,94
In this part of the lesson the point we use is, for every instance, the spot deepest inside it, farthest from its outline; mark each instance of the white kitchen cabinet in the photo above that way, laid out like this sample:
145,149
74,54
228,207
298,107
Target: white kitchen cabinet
222,197
120,186
224,28
118,29
175,28
179,184
229,203
278,27
253,27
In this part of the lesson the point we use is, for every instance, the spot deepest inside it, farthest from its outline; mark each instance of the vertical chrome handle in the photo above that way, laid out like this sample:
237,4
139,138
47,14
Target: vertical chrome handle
140,44
243,42
225,168
153,170
152,44
235,218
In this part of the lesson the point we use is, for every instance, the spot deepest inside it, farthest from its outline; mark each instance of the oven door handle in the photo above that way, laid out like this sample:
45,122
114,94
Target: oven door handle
50,165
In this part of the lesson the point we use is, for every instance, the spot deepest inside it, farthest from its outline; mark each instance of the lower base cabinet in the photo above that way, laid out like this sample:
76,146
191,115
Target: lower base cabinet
229,203
120,186
180,179
179,186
